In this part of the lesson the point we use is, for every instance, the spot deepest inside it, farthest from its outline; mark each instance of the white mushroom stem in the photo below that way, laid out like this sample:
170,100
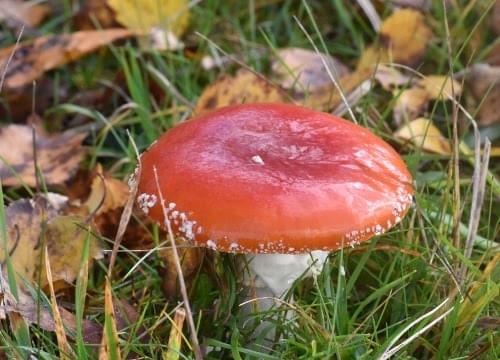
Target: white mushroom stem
270,276
278,272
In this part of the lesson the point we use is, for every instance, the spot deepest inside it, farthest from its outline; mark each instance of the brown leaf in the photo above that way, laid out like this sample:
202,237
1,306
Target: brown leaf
483,81
405,36
35,313
244,87
58,155
424,134
95,13
191,259
22,12
106,193
494,56
495,18
33,224
32,59
304,70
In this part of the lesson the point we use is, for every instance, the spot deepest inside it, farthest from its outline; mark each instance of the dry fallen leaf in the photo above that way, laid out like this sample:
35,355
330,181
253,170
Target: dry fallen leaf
483,82
23,12
95,14
109,344
106,193
58,155
32,59
105,197
495,18
35,313
243,87
405,35
175,337
304,70
390,78
409,104
191,259
413,101
328,97
167,18
31,223
424,134
440,87
372,56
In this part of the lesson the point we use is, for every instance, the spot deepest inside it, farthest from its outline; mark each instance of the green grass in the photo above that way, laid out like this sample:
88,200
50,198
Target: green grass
365,298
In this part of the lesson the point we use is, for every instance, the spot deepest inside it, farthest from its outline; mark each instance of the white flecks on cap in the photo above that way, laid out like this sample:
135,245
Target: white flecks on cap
257,159
211,244
233,247
146,202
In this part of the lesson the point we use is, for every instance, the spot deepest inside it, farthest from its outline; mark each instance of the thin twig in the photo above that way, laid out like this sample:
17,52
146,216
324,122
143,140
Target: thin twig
479,186
127,211
182,284
4,71
455,141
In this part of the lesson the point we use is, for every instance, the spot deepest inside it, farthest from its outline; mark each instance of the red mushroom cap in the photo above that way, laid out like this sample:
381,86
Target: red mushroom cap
274,178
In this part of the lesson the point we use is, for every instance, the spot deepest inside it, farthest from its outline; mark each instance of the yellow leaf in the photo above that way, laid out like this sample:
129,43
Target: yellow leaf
109,344
410,104
440,87
106,193
422,133
371,56
405,35
175,338
32,223
65,351
144,15
244,87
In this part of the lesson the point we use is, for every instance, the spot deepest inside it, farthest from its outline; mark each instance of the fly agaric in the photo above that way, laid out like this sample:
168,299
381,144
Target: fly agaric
269,179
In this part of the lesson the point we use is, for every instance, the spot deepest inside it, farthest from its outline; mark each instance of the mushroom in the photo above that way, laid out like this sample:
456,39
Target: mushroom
283,184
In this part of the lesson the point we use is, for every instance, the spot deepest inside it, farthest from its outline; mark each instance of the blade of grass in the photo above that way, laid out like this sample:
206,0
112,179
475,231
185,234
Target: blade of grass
109,345
65,351
80,295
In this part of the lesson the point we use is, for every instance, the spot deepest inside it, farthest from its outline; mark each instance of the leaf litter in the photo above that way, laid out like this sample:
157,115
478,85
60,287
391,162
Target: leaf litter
57,155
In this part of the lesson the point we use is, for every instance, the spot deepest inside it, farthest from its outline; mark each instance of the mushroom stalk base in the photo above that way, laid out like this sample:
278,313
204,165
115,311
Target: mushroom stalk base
270,276
277,272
